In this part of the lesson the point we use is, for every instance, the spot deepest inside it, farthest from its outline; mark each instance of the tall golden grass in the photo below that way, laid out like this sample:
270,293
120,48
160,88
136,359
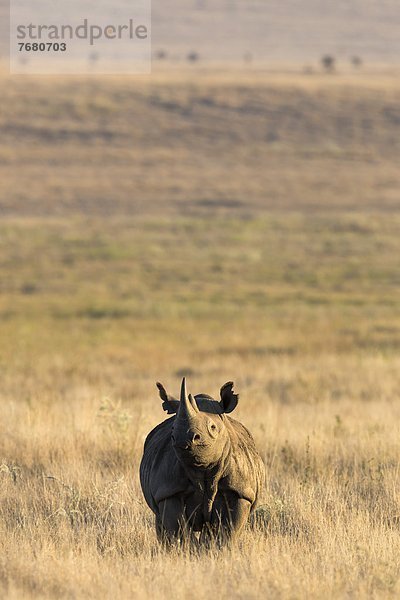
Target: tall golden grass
74,523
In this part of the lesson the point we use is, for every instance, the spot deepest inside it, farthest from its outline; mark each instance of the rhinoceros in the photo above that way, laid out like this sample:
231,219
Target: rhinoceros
201,473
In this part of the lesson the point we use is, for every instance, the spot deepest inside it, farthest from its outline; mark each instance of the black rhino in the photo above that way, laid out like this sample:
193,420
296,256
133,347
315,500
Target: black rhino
201,473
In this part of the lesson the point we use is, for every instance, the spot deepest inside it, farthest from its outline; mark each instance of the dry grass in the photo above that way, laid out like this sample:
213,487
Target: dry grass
73,522
199,144
273,262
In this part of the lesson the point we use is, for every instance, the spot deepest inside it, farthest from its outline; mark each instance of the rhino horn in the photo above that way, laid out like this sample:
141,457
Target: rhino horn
188,407
193,403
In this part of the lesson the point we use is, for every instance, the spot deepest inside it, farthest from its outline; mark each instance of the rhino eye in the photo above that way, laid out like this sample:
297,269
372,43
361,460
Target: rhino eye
212,428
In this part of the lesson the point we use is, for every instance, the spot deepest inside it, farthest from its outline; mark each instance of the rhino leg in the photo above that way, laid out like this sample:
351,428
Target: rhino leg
229,515
169,521
171,525
164,537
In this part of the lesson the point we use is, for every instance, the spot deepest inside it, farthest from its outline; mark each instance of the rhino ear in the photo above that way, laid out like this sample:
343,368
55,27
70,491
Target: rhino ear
170,404
229,400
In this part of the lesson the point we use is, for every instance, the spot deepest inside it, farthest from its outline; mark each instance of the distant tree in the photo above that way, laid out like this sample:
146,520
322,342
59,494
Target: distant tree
231,5
161,54
308,70
248,57
193,57
356,61
93,59
328,63
200,4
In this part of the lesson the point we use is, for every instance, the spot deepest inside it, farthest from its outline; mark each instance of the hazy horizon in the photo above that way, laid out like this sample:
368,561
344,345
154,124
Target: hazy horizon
227,30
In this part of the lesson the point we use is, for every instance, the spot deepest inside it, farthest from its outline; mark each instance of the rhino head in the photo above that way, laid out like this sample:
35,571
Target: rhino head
199,434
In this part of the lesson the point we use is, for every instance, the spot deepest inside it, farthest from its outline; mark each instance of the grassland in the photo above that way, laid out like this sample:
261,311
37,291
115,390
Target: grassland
238,226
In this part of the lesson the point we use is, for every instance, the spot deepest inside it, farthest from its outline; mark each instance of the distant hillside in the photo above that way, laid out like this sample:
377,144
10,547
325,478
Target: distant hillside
192,143
273,30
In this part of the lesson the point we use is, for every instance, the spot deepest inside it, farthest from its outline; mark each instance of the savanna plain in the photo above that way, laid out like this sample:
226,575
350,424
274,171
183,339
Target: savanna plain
224,226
